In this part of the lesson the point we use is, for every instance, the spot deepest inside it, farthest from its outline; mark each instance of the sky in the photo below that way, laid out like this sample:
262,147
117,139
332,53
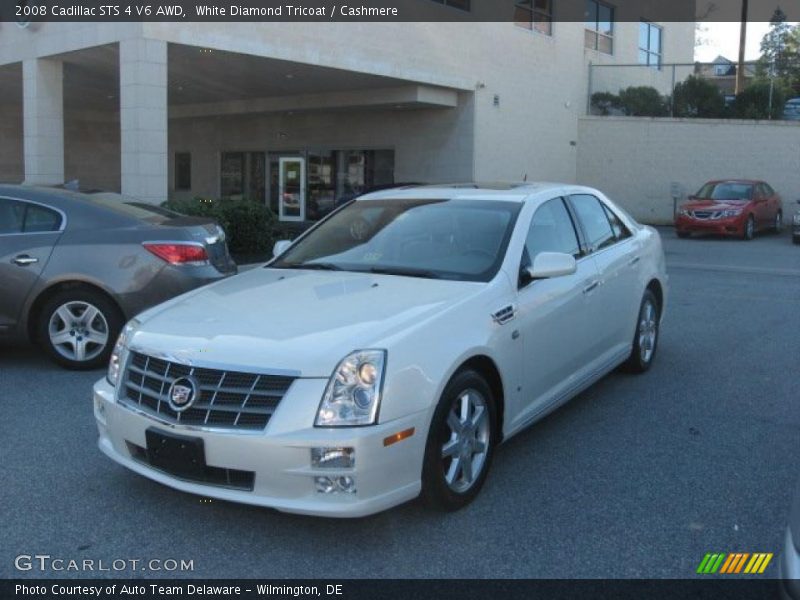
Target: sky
723,38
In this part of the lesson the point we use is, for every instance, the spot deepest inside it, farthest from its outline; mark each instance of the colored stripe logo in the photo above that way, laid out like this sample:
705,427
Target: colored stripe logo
734,563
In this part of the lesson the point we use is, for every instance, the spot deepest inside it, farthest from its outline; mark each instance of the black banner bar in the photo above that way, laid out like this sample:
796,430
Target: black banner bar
418,589
179,11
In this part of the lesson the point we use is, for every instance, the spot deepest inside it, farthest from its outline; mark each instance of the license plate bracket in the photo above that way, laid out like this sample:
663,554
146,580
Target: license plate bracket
180,455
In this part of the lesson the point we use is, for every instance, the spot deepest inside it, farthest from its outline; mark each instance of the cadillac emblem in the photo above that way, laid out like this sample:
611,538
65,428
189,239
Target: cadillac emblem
182,393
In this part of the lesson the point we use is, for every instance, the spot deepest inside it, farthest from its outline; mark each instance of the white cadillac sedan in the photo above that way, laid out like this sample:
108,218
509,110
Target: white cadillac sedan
387,351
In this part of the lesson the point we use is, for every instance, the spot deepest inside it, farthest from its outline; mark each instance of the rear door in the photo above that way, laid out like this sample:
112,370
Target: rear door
616,253
28,234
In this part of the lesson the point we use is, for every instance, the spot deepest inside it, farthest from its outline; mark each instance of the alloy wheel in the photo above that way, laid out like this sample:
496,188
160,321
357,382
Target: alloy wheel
467,442
648,331
78,331
750,228
778,222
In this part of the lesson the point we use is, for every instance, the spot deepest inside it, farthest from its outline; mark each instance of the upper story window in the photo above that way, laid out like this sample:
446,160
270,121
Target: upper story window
534,14
723,69
599,34
459,4
650,44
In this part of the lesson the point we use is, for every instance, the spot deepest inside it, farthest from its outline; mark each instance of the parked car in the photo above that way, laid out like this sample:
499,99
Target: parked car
353,372
74,267
791,110
789,565
731,207
796,226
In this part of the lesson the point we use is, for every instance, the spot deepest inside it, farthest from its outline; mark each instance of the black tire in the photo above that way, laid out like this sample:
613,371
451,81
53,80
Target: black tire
109,320
640,361
778,224
749,231
436,491
684,234
796,239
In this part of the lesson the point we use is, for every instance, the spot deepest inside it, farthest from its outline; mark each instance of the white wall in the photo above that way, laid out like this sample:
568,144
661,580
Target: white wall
635,160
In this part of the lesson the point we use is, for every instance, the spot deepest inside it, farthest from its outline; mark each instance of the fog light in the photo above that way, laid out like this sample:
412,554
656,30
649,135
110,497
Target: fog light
333,458
335,485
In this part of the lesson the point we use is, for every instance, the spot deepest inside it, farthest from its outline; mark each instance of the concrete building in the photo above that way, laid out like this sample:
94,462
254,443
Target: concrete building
302,115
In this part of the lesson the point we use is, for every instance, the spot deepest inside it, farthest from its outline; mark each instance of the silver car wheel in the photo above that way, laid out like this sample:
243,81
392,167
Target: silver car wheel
78,331
778,222
464,454
648,331
750,228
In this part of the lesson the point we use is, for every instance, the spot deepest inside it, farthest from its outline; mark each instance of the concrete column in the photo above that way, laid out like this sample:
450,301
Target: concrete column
143,119
43,120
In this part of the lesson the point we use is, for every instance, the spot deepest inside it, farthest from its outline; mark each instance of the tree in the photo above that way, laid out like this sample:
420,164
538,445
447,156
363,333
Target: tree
780,47
698,97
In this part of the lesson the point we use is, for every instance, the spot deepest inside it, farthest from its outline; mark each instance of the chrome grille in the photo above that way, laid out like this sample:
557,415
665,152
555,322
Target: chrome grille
706,214
228,399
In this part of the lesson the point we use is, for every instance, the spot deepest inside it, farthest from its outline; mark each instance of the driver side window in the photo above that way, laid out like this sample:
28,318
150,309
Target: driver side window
551,230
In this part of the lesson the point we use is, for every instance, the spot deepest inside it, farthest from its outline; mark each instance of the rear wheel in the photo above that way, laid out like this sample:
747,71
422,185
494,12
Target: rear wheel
778,224
78,328
645,340
796,239
460,443
749,228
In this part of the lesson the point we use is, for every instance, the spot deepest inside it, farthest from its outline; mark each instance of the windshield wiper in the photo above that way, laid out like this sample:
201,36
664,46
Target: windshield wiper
405,271
316,266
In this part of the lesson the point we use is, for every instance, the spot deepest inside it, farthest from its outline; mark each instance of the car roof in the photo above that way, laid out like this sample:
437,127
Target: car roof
747,181
501,191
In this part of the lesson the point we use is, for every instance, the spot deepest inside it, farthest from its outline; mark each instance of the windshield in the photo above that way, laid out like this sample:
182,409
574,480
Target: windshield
726,191
440,239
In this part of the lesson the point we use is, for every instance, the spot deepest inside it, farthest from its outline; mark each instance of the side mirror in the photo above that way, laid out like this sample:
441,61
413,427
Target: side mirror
552,264
280,247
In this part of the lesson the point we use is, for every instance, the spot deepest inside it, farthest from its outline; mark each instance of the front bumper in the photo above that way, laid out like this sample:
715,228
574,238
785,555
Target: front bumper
280,456
728,226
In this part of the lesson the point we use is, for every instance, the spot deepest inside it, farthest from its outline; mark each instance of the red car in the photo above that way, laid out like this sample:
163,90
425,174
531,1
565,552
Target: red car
733,207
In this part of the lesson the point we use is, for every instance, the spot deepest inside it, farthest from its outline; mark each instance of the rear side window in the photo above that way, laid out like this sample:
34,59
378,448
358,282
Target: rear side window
12,216
620,231
596,226
23,217
39,219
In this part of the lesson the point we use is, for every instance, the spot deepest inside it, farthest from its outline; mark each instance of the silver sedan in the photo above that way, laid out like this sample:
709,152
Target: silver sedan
74,267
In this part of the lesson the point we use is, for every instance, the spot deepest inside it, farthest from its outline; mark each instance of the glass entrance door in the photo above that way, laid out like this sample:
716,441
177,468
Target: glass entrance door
292,188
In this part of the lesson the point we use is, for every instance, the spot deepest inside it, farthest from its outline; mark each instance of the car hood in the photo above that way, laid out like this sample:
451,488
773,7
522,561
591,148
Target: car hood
304,322
715,204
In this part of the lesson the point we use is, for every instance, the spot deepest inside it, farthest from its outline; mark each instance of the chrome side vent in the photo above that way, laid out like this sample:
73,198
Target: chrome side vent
504,315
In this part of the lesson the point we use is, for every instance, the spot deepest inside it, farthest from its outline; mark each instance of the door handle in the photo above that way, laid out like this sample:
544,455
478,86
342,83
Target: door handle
633,261
23,260
591,286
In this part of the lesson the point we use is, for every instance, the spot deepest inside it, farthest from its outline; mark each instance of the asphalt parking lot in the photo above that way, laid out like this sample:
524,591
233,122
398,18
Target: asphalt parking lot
639,476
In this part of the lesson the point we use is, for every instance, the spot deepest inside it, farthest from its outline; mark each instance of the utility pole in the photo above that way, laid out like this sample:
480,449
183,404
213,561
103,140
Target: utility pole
742,42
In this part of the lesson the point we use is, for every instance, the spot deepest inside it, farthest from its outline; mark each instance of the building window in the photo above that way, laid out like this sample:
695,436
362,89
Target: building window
183,171
534,14
242,176
650,44
459,4
599,34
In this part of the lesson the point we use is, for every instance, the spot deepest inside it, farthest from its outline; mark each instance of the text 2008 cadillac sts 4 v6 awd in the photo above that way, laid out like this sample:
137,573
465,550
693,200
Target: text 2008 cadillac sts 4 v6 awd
387,351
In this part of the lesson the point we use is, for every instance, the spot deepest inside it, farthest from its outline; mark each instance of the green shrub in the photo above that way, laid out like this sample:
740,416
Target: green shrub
753,102
251,227
643,101
698,97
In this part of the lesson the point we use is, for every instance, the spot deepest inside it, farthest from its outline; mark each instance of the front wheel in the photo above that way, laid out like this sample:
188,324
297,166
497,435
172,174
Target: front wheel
749,228
796,239
78,328
460,442
645,340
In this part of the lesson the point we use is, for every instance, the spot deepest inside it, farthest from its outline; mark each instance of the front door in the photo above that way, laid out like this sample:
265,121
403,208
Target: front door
28,233
292,188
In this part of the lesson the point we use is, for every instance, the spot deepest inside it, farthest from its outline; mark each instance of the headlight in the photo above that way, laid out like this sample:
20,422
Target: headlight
115,362
734,212
353,393
796,219
684,211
